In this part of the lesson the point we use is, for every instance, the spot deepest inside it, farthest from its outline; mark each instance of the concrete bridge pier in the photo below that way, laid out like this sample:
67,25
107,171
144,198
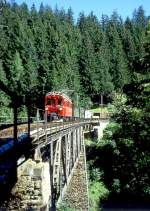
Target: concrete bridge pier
98,129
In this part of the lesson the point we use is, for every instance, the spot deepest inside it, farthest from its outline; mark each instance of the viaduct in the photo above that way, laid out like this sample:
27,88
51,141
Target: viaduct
41,170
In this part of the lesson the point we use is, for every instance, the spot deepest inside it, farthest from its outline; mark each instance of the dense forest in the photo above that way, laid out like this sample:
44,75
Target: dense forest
119,162
46,50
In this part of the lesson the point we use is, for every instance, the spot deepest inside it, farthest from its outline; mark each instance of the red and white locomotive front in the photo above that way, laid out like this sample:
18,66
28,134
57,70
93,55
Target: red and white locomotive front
57,106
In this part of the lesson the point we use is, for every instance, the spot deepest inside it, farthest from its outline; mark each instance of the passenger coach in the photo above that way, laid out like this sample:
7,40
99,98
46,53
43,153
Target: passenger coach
58,106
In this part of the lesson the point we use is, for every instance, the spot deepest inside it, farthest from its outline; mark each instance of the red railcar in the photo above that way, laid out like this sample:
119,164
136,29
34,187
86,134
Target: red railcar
58,106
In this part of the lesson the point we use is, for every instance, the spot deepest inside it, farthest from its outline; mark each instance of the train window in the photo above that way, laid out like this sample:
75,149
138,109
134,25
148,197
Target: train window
59,101
50,102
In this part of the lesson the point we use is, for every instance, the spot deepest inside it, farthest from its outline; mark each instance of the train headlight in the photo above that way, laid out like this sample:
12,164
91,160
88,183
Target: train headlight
60,109
46,109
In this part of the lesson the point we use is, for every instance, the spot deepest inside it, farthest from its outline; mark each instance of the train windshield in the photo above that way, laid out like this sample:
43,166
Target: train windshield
59,101
50,102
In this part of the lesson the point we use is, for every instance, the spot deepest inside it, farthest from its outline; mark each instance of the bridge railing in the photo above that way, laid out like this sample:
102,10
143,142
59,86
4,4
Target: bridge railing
38,124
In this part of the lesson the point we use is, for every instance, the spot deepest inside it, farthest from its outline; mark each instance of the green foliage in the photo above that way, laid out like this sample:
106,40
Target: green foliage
65,207
45,50
22,114
97,189
125,146
97,192
6,114
106,109
95,174
124,150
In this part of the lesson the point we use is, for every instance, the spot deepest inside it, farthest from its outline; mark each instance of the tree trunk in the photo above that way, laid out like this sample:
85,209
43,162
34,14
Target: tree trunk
29,113
102,100
15,124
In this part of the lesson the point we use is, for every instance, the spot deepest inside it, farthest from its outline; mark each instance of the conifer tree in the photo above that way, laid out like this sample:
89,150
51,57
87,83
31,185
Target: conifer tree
118,66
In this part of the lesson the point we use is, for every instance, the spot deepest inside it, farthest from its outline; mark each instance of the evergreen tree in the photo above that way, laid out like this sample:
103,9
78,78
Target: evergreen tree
105,84
118,66
126,141
90,57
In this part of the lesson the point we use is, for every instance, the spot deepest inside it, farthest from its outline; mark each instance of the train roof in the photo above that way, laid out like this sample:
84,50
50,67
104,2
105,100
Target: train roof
59,94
